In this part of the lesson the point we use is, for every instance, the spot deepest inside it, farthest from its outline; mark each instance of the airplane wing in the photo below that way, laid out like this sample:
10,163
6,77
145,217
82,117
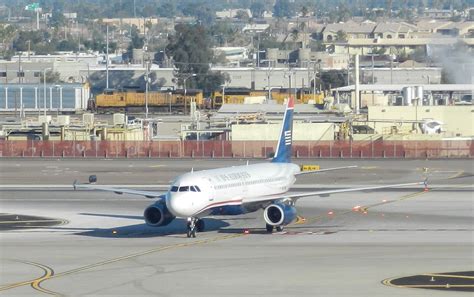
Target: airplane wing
92,186
297,196
324,170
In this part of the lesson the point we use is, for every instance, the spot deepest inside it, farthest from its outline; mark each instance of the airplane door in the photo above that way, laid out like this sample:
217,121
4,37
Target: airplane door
212,191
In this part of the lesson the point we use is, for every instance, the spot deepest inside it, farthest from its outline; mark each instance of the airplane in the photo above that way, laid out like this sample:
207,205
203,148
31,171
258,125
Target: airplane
235,190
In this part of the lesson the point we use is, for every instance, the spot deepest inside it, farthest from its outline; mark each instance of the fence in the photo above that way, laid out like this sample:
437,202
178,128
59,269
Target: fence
236,149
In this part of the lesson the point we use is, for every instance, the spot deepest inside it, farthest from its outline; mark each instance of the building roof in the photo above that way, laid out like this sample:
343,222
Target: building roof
431,25
351,27
255,27
399,87
395,27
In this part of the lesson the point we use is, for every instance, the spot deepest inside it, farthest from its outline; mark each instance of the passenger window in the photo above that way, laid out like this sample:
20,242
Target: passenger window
193,189
197,188
184,189
174,189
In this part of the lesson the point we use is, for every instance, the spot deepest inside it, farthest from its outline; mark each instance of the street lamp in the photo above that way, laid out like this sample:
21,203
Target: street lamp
44,91
147,82
224,85
185,90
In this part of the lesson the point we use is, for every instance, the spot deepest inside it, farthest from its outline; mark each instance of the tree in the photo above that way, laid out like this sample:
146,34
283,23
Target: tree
304,11
242,15
333,79
257,9
167,9
137,40
57,18
52,77
341,36
283,8
7,33
191,52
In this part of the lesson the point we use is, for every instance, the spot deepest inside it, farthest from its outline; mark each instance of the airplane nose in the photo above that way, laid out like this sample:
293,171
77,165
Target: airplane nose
177,206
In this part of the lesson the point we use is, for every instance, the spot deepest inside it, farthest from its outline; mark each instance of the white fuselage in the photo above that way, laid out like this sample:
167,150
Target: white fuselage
195,194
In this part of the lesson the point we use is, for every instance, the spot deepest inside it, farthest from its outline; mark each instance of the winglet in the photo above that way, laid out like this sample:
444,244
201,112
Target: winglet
283,151
426,185
74,184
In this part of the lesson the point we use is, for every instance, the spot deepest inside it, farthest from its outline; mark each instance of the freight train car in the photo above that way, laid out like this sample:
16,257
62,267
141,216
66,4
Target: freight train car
238,95
134,100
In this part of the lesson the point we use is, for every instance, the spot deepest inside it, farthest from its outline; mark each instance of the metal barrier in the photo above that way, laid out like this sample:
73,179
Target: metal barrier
236,149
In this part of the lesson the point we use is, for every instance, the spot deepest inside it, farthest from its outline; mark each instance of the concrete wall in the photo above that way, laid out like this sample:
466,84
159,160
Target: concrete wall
458,120
271,131
402,75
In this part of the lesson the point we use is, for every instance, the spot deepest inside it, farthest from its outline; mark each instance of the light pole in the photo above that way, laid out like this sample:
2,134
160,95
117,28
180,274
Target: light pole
44,91
185,90
147,82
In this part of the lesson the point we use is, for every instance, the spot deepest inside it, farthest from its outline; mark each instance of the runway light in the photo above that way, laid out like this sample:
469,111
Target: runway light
330,213
406,217
356,208
365,212
382,215
385,200
246,231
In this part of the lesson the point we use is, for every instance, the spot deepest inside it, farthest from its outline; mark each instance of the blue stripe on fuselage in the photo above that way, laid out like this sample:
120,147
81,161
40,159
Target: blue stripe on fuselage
228,210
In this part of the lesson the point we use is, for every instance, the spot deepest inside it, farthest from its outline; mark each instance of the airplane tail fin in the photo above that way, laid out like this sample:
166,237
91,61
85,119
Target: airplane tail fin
283,151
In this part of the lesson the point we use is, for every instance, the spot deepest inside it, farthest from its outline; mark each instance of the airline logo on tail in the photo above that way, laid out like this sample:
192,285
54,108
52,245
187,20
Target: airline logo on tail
287,137
283,151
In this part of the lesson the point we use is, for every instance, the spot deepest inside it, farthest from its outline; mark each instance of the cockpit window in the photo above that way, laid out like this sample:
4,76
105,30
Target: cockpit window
197,188
193,189
174,189
184,189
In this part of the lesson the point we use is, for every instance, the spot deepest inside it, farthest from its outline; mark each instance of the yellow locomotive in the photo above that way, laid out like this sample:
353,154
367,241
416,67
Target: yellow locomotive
238,95
126,100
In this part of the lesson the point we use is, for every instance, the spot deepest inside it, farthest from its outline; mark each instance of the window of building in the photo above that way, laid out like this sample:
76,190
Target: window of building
3,74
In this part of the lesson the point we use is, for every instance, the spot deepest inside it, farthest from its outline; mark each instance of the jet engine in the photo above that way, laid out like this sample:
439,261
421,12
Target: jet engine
279,214
157,215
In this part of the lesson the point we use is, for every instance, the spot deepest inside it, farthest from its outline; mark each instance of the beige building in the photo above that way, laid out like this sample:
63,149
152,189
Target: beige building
457,120
271,131
138,22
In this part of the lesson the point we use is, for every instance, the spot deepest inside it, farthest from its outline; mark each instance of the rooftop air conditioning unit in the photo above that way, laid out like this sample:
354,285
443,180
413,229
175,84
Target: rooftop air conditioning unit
119,119
44,119
88,119
64,120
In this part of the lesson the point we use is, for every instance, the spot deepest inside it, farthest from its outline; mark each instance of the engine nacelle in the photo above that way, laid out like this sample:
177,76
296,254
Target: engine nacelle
279,214
157,215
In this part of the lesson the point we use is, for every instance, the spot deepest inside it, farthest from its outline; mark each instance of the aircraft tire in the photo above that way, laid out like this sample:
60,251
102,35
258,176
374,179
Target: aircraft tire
200,225
269,228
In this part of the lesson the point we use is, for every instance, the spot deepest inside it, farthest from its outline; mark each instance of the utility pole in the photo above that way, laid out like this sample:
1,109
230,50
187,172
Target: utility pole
134,9
37,18
185,90
147,82
107,58
44,92
356,66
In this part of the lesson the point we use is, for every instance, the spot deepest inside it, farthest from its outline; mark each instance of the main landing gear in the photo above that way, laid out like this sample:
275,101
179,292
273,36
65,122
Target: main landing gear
270,228
194,224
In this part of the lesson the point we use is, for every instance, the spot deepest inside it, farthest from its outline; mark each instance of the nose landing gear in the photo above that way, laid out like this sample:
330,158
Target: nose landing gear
194,224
